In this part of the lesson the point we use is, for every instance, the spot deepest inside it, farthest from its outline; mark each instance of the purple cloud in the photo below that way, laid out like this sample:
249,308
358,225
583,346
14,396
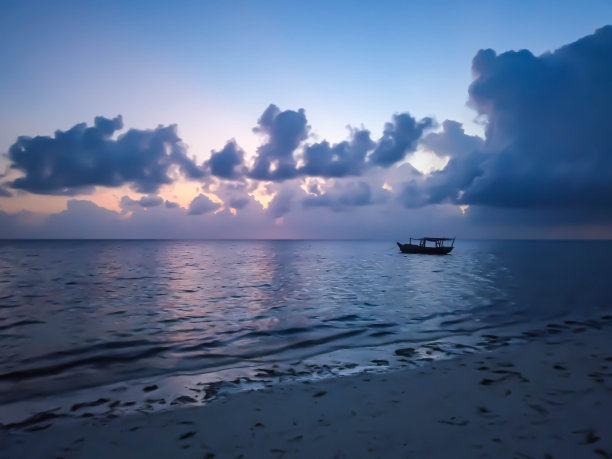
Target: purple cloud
202,204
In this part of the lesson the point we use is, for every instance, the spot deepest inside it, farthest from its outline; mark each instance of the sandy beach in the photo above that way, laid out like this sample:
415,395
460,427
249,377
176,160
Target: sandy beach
549,396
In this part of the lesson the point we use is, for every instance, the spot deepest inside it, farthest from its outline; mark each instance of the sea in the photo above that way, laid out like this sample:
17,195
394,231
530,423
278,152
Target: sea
115,322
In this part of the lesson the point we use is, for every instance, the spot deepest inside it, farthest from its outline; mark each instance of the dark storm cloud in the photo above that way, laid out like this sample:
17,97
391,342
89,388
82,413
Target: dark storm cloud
399,138
511,218
350,195
548,133
145,201
285,130
225,163
202,204
171,205
549,126
76,160
339,160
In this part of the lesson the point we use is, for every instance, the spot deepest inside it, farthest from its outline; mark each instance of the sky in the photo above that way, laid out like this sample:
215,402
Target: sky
340,119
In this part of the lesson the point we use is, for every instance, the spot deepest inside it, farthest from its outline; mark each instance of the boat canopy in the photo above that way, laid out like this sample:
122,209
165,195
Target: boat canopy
433,239
438,241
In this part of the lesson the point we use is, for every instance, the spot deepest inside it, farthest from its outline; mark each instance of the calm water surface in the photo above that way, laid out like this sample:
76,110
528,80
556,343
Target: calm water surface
86,313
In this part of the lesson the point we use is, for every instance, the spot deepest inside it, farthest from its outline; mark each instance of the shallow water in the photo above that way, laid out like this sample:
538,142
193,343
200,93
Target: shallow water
77,314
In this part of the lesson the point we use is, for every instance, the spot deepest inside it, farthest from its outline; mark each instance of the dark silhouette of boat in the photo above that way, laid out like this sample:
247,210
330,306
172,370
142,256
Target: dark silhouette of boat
438,247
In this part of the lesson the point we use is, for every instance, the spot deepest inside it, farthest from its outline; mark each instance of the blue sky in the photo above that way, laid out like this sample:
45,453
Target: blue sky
212,68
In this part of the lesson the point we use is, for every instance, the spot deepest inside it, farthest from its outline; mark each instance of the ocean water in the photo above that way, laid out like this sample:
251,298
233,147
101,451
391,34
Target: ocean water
87,314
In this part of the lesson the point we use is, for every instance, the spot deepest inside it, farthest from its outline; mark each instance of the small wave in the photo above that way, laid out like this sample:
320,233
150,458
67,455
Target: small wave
448,323
135,278
381,325
381,333
282,332
324,340
21,323
92,361
96,348
266,285
345,318
199,346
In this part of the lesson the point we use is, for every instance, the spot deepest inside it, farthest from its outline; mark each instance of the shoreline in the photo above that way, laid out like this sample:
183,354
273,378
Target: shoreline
551,395
174,391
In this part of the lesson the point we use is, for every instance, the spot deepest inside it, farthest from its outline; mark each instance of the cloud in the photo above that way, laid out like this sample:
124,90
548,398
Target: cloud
391,221
548,130
74,161
171,205
341,196
452,141
339,160
4,192
445,185
224,164
548,139
399,138
202,204
281,203
285,130
234,193
239,203
83,219
145,201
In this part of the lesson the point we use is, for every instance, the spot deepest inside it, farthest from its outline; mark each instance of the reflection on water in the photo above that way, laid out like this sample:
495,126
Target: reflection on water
79,313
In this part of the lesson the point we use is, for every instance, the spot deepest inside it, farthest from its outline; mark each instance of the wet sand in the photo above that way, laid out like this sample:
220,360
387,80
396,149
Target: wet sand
550,396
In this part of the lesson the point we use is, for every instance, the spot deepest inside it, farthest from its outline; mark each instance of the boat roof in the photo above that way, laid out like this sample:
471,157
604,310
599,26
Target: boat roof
433,239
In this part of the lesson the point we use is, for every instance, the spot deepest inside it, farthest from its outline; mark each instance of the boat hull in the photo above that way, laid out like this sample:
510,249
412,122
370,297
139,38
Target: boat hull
412,248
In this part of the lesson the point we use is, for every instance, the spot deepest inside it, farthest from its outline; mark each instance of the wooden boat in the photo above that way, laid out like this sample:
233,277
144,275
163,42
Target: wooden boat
421,246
